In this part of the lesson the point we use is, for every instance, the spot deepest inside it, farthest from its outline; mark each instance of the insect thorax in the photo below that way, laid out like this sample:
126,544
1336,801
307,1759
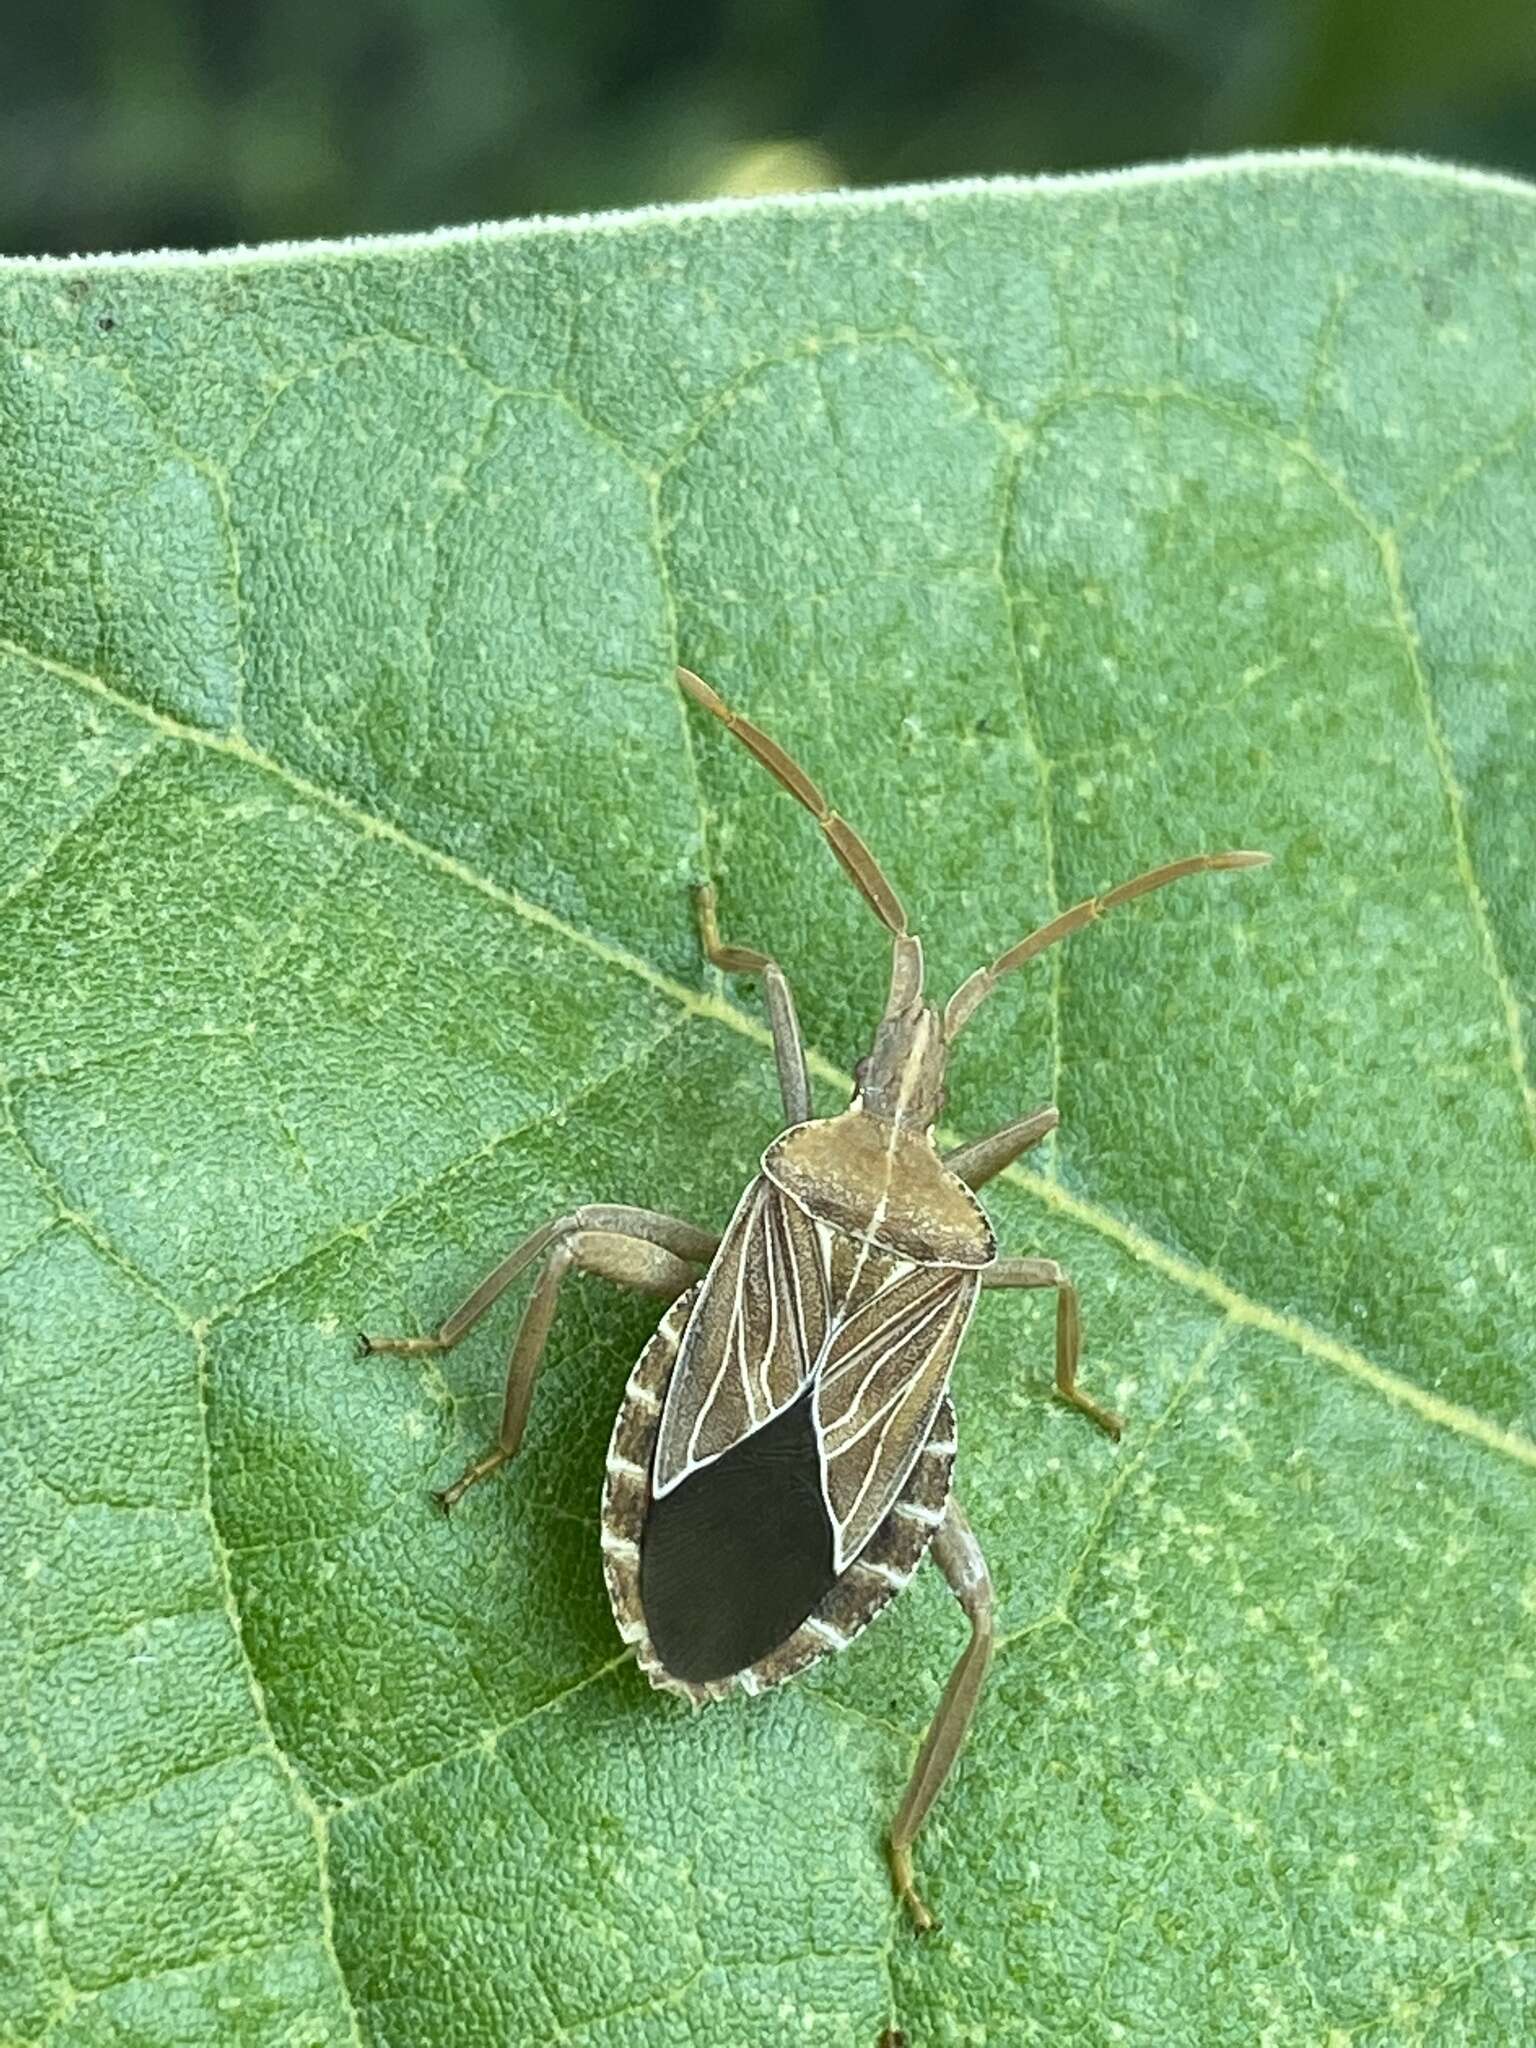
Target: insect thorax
879,1184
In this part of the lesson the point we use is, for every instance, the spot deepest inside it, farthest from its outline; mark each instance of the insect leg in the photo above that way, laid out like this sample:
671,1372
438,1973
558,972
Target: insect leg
628,1261
977,1162
958,1556
673,1235
788,1048
1046,1273
858,863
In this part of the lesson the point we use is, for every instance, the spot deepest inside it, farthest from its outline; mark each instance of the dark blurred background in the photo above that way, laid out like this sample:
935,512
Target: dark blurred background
142,123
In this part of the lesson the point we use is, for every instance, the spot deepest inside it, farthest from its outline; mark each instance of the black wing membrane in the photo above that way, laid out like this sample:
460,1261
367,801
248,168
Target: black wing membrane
752,1342
734,1561
877,1392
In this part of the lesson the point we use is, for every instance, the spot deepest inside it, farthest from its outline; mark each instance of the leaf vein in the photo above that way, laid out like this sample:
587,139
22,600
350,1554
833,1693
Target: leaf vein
298,1791
363,1228
483,1743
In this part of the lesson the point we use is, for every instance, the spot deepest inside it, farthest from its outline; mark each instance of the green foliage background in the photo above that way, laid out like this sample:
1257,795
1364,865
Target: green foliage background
197,124
344,933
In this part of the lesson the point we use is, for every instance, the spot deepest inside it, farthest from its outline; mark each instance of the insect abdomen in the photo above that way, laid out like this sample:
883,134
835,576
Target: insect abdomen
735,1558
848,1605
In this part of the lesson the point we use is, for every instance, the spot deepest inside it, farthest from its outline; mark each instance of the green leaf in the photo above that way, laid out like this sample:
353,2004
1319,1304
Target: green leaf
350,821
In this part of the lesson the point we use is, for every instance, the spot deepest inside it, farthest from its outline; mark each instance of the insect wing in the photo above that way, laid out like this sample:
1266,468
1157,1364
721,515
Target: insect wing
753,1339
877,1393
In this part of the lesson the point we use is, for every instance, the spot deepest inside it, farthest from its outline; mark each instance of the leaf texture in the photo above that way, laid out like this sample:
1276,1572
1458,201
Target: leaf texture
350,819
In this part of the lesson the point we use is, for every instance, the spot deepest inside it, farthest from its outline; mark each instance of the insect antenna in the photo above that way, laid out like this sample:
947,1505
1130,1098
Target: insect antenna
972,993
857,862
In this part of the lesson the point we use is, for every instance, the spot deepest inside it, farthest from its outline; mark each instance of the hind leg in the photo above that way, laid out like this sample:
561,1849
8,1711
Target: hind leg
958,1556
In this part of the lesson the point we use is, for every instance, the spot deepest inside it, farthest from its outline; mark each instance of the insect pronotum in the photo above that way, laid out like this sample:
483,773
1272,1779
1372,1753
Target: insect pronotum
783,1454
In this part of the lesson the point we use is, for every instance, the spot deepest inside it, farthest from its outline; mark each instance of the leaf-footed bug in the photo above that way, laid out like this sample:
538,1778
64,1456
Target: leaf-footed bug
782,1457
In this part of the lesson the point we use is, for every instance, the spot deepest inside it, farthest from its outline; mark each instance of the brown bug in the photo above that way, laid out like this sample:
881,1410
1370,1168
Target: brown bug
782,1457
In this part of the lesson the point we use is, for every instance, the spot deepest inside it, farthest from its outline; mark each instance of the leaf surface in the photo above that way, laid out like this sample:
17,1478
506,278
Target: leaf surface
345,935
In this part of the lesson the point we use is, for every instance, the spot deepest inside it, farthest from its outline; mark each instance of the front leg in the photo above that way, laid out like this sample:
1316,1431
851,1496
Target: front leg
1046,1273
636,1248
788,1050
